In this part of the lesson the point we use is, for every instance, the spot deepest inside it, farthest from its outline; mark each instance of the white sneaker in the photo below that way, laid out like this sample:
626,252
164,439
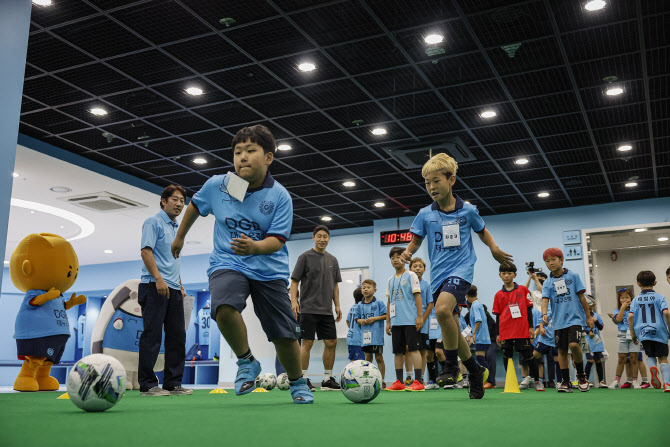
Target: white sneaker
432,386
525,383
602,384
614,385
459,385
636,386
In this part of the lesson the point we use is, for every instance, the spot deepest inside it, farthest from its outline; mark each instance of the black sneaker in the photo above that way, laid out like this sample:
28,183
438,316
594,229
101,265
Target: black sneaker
550,384
564,387
477,383
311,387
179,390
450,376
330,385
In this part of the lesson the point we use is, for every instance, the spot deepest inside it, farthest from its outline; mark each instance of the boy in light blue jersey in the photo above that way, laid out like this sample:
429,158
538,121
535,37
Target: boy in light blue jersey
253,216
354,334
565,291
596,346
418,266
404,319
481,339
545,345
649,319
447,225
370,315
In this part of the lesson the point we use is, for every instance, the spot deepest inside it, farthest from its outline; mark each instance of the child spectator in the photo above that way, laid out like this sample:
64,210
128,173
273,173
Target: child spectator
596,347
480,329
354,334
625,341
418,266
369,315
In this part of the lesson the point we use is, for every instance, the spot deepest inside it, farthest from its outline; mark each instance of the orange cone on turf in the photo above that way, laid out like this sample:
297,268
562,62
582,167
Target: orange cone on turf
511,382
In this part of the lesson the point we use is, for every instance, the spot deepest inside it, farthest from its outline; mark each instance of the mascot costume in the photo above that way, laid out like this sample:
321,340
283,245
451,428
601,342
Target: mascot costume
44,266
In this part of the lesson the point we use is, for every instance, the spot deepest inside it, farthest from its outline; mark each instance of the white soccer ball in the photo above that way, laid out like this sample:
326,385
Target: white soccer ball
97,382
282,382
361,381
267,381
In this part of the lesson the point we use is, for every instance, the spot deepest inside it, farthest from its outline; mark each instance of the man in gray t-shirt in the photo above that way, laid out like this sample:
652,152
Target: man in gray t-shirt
318,273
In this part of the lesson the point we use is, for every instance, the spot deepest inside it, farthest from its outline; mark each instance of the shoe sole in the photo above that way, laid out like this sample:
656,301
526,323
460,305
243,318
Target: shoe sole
180,393
323,388
655,381
154,394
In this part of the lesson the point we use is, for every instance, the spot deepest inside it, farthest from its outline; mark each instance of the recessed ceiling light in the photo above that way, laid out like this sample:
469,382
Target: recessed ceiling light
640,230
204,290
543,194
97,111
32,211
86,226
349,184
326,218
631,185
379,131
662,239
42,2
195,91
488,114
380,204
432,39
625,148
284,147
15,174
614,91
199,161
595,5
60,189
62,226
306,66
521,161
109,251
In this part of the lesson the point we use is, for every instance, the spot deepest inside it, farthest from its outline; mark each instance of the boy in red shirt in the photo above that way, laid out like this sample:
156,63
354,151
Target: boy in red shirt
511,306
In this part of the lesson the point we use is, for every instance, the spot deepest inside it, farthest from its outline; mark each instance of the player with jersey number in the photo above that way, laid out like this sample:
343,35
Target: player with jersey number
565,291
649,320
203,323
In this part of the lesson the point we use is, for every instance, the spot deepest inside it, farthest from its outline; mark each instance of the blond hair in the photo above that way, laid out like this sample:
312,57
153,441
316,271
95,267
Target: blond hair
369,281
442,163
415,260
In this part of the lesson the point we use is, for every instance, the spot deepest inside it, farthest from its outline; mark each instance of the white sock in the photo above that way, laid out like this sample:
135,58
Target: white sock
304,373
665,372
327,374
651,361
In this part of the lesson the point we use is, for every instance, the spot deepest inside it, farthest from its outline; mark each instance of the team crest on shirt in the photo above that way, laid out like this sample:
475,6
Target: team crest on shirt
403,282
50,351
568,281
266,207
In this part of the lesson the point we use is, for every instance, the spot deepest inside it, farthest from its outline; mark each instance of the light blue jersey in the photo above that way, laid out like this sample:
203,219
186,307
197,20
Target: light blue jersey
41,321
426,298
158,233
648,320
402,303
463,323
354,334
548,338
204,322
434,329
81,326
447,256
267,211
375,308
563,292
623,324
478,315
595,343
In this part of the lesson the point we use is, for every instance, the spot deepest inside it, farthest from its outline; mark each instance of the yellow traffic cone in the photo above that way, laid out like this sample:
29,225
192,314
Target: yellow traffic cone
63,396
511,383
218,391
260,390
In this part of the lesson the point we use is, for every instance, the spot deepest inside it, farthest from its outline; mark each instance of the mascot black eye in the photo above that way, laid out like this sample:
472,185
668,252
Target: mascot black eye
69,274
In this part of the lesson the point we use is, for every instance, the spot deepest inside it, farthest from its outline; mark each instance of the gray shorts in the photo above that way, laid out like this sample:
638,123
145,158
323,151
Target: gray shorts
626,346
272,304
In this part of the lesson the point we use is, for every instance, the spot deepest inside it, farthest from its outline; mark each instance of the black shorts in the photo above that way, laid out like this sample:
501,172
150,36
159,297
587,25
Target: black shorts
51,347
373,349
655,348
517,344
322,326
435,343
457,287
405,338
425,341
564,337
594,356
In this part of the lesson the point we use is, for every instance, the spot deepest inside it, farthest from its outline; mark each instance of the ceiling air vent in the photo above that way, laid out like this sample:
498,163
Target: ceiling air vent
103,202
412,156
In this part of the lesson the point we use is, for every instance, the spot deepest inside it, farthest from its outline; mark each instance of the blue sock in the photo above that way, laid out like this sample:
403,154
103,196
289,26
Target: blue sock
651,361
665,371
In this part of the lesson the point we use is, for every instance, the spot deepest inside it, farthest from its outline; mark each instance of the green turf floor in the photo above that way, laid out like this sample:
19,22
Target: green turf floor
599,417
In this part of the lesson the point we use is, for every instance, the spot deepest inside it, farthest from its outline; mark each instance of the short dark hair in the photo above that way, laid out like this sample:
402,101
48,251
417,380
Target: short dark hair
320,228
358,295
169,190
667,272
507,268
369,281
646,278
396,251
472,291
258,134
541,276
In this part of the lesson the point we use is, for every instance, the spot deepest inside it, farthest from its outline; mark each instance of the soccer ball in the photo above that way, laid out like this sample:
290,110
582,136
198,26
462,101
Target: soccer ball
361,381
97,382
282,382
267,381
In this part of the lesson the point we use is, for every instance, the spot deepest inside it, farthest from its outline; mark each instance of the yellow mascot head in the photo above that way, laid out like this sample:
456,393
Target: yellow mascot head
42,261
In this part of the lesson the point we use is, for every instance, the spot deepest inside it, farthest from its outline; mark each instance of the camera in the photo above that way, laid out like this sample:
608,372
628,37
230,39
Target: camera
530,267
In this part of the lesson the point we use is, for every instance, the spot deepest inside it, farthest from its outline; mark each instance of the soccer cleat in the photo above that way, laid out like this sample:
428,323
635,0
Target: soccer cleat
431,386
539,386
408,381
179,391
655,378
450,376
477,383
155,391
330,385
666,387
489,386
614,385
645,385
627,385
247,371
449,387
636,386
311,387
582,383
397,386
525,383
300,392
564,387
416,386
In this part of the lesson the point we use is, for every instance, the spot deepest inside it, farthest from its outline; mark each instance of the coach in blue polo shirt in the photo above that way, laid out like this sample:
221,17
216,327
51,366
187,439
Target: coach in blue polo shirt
161,296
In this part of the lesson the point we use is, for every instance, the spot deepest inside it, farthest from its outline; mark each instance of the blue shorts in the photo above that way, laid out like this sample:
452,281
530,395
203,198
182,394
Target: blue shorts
272,304
457,287
482,346
51,347
594,356
356,353
639,357
546,349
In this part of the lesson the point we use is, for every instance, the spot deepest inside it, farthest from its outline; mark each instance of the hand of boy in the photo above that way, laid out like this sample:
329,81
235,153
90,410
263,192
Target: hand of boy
243,245
635,340
543,331
498,340
590,322
500,256
388,329
419,323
